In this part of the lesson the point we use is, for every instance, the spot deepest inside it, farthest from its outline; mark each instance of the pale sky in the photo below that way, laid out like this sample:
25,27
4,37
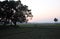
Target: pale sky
44,11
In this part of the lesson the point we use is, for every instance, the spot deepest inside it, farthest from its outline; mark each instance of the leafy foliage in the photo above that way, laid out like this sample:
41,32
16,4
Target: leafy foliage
14,11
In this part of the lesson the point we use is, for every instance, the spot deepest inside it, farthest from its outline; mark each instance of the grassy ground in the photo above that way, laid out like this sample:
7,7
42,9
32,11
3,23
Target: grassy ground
30,31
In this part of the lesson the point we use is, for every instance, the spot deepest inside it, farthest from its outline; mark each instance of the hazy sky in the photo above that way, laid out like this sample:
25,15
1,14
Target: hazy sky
43,10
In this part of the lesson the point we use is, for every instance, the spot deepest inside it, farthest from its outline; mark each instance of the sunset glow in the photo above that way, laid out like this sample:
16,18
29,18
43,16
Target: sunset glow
43,10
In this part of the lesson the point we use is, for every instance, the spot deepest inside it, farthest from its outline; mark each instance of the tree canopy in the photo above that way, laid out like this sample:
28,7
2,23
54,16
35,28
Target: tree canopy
14,11
55,19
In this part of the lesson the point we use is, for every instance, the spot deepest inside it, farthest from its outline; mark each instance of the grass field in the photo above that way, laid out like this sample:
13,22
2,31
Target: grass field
30,31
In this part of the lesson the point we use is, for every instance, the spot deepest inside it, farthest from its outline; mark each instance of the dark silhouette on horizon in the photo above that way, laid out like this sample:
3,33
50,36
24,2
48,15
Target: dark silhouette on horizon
55,19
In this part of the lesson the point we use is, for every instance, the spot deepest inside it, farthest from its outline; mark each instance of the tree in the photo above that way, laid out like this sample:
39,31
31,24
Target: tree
14,11
55,19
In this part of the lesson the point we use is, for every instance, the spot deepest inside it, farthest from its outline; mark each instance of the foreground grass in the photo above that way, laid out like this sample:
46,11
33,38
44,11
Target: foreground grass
30,31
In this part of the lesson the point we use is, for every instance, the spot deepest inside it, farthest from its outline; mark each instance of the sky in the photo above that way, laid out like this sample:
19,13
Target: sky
44,11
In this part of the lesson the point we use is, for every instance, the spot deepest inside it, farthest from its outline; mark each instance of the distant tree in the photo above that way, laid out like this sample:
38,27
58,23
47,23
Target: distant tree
55,19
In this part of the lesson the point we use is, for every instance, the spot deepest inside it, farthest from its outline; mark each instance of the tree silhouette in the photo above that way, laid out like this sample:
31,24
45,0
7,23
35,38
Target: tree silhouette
14,11
55,19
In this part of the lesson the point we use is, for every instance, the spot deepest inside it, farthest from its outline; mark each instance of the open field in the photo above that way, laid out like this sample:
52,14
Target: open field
30,31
